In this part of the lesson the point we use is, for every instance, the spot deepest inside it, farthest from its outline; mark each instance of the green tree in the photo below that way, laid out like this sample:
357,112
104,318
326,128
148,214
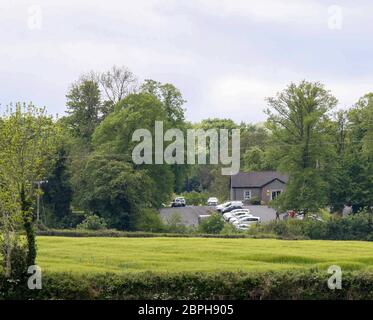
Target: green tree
297,119
359,153
213,224
170,97
58,190
113,190
28,141
84,109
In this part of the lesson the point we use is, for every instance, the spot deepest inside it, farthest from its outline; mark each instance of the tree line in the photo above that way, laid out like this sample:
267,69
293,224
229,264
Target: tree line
85,160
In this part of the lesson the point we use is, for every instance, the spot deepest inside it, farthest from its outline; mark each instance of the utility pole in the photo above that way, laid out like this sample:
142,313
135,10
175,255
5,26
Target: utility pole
39,183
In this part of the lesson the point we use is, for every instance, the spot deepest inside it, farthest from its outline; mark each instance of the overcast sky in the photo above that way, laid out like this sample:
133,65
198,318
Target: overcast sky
225,56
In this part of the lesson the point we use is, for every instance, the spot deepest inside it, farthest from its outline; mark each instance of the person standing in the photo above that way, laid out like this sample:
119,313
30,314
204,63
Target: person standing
277,215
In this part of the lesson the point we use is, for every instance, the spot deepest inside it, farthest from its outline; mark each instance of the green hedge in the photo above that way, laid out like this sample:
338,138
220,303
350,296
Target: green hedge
353,227
274,285
129,234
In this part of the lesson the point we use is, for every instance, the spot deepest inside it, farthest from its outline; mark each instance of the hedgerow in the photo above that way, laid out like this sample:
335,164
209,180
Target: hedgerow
191,286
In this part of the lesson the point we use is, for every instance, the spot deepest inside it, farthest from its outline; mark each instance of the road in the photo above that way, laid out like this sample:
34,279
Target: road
189,214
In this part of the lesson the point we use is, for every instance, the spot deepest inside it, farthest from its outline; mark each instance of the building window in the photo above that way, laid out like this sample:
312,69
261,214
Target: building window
247,195
275,194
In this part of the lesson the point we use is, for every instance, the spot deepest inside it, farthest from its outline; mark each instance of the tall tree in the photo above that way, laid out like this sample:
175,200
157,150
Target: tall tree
297,118
359,153
28,138
170,97
84,109
58,191
114,84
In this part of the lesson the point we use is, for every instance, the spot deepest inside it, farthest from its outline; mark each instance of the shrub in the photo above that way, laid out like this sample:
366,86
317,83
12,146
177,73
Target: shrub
149,220
195,198
228,229
353,227
197,286
112,233
174,224
92,222
213,224
255,201
17,258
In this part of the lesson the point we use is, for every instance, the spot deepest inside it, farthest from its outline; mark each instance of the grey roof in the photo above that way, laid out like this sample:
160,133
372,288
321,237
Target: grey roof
256,179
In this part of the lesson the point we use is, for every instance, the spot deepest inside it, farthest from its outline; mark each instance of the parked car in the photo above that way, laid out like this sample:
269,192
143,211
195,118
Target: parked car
212,201
245,219
178,202
224,205
202,217
221,206
242,226
232,207
234,213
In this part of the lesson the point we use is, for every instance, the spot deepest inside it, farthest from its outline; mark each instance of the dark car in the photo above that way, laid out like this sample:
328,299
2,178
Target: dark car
178,202
232,207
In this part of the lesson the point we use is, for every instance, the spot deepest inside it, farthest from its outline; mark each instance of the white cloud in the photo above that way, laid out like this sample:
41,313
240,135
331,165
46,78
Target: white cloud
224,66
268,10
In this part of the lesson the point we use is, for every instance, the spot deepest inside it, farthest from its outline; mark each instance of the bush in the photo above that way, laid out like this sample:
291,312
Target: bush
255,201
353,227
18,260
229,229
196,286
112,233
149,220
213,224
92,222
174,224
195,198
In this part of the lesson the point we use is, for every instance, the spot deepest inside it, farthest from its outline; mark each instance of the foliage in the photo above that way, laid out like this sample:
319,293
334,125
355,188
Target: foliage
213,224
290,285
57,190
174,224
353,227
28,142
115,191
92,222
149,220
84,109
298,117
195,198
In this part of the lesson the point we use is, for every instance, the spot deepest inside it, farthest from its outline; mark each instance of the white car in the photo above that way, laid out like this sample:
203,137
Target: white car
225,205
241,216
234,213
242,226
212,201
247,219
221,206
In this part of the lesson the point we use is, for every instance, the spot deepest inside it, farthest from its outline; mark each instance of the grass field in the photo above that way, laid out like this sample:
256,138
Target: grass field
198,254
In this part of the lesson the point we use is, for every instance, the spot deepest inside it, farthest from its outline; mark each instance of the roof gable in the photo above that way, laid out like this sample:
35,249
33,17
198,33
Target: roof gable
256,179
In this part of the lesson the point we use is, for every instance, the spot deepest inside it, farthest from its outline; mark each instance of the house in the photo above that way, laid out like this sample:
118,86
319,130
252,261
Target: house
260,185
